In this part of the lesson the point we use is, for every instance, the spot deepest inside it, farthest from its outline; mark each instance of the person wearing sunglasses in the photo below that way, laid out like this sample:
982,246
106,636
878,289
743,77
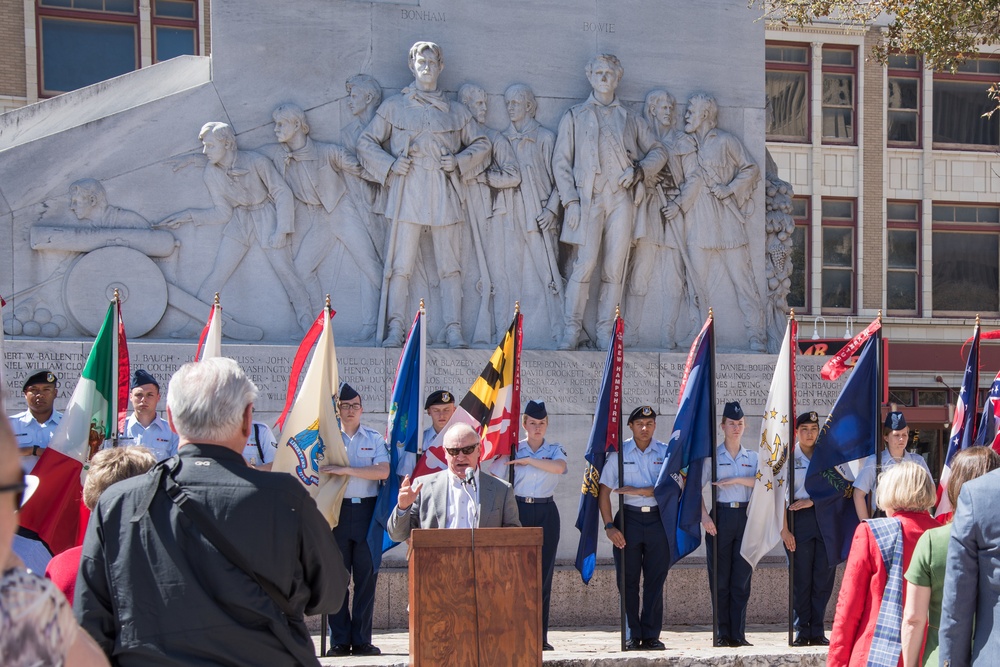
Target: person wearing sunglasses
34,428
459,497
36,621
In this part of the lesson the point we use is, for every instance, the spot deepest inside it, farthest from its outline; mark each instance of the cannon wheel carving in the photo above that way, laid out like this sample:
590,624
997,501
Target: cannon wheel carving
91,281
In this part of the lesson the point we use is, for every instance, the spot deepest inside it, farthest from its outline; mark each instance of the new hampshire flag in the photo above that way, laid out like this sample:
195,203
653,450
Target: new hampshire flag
604,438
403,432
690,445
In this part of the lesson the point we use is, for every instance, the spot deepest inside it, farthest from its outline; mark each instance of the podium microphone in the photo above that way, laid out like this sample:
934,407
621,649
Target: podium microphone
470,477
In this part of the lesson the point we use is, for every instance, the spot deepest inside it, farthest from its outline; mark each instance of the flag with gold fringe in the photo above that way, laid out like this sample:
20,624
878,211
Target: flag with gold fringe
492,407
310,437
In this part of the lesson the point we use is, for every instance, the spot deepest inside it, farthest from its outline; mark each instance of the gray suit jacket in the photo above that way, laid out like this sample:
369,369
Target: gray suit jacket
971,586
498,508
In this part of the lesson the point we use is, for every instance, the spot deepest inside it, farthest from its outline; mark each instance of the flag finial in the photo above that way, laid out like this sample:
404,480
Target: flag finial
327,306
880,315
216,302
711,315
977,319
791,313
116,295
421,305
618,312
517,307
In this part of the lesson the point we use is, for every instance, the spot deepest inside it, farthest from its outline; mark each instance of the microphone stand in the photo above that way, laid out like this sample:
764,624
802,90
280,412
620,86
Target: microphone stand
470,478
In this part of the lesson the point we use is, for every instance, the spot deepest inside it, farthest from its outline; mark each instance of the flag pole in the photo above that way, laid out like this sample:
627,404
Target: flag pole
423,379
621,496
876,415
790,515
114,375
517,427
715,492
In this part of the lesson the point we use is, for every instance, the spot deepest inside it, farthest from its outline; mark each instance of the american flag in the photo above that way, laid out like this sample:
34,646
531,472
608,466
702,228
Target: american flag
988,429
963,426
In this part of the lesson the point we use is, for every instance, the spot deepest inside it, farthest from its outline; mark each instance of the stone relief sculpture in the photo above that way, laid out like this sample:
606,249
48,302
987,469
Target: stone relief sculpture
715,199
660,248
324,213
364,94
779,226
433,144
605,156
536,201
256,206
490,202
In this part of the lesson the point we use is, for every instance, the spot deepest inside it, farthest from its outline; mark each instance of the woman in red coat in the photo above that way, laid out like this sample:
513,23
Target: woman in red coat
905,492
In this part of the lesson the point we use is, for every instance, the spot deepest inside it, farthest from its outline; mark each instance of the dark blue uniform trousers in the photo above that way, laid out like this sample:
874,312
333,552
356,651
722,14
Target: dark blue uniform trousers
734,572
646,552
546,517
352,625
812,582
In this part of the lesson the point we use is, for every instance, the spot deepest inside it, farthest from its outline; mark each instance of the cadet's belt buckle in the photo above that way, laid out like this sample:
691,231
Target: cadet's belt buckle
734,505
530,500
645,508
356,501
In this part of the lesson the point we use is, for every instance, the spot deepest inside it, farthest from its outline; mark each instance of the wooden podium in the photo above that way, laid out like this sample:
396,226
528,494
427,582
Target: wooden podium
476,597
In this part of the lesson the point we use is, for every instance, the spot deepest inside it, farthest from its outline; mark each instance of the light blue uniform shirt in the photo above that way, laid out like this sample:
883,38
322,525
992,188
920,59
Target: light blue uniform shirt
743,465
529,481
866,476
157,437
29,433
268,444
641,470
366,448
801,468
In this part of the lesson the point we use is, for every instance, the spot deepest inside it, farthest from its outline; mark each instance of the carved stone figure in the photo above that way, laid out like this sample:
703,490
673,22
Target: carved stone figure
256,206
720,178
324,213
89,203
605,157
490,204
432,144
779,225
536,201
364,94
660,253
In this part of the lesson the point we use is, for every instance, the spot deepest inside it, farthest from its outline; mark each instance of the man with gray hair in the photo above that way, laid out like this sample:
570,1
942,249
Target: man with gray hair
459,497
205,560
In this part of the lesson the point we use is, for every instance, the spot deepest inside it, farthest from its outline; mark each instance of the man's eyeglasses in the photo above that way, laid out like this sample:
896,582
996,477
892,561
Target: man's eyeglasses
18,488
349,407
461,450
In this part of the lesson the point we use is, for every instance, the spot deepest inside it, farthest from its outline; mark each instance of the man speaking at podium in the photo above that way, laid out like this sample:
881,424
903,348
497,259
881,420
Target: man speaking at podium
459,497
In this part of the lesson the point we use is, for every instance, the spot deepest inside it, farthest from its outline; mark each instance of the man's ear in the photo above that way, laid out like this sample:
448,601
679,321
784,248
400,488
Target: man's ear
247,420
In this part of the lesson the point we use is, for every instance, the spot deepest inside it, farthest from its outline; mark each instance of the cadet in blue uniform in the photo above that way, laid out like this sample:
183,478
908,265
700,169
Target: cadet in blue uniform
813,576
144,428
896,435
440,406
35,427
638,534
735,468
537,466
368,456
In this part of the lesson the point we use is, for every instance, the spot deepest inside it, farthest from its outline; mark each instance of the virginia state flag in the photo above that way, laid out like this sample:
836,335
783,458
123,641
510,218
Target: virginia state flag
403,431
766,513
604,438
56,511
678,488
850,433
963,424
310,436
492,407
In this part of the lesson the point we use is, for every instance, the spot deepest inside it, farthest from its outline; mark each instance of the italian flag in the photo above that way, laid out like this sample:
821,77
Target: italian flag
95,411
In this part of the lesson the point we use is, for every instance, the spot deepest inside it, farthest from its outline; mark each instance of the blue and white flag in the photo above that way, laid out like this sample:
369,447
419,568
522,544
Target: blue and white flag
988,426
678,487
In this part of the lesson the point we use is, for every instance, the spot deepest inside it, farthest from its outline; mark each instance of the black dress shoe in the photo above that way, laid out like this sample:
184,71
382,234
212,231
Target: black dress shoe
366,649
547,647
819,641
339,650
633,644
653,645
801,641
741,642
723,641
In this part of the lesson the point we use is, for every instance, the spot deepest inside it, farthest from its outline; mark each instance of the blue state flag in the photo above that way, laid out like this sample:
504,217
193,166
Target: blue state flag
678,487
987,431
850,433
402,433
604,438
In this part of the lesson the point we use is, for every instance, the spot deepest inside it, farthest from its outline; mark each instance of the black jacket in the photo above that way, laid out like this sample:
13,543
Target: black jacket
153,591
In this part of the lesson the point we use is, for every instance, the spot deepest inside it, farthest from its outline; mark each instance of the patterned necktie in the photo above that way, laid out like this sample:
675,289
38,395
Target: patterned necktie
887,642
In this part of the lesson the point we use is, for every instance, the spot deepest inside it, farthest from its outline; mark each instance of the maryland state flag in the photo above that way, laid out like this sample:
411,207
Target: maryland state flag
310,436
492,407
96,409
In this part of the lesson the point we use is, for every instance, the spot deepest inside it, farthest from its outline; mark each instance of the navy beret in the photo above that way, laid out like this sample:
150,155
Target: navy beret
439,397
41,377
642,412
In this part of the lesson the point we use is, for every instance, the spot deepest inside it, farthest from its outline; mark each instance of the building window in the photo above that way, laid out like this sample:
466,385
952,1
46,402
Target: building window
902,258
787,88
839,75
904,100
965,265
798,294
82,42
838,255
960,102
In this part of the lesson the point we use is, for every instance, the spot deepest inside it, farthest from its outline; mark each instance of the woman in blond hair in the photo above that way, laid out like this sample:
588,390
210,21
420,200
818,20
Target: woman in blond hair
925,576
872,589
